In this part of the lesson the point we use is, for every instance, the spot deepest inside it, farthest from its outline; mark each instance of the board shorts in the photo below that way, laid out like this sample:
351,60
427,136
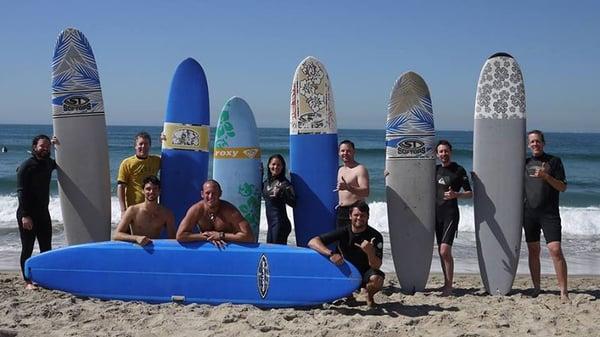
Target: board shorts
536,221
343,216
367,275
446,225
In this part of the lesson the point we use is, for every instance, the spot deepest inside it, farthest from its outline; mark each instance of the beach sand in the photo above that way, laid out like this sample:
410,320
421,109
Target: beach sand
470,312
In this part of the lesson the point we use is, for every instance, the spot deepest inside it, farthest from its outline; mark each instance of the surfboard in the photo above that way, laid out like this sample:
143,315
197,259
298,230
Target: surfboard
236,160
184,159
498,166
264,275
80,126
410,180
313,151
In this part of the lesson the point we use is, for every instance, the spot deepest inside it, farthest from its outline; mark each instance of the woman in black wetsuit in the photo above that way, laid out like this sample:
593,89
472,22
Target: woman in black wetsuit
277,192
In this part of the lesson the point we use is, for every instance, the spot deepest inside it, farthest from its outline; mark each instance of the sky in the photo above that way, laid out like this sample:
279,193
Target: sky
251,49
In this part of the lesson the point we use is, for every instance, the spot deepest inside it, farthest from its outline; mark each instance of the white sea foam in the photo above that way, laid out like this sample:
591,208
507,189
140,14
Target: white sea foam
575,220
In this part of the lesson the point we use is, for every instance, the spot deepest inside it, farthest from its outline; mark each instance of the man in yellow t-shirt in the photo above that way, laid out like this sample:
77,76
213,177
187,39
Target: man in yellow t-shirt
133,170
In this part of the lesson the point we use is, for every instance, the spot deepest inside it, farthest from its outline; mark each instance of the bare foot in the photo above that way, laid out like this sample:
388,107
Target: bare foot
535,292
446,291
30,286
371,302
564,299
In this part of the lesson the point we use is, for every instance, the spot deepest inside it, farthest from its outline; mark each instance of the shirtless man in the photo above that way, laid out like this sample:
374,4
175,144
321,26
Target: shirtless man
219,221
143,222
353,183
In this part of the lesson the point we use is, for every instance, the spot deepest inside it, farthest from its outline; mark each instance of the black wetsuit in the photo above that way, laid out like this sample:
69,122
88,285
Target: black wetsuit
446,211
33,188
277,193
346,240
541,200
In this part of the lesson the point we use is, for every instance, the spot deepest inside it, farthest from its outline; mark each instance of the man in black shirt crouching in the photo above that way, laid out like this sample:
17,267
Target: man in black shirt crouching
360,244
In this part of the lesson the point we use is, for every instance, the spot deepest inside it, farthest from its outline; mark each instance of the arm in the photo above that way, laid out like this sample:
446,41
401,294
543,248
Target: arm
185,231
22,192
121,187
290,195
317,244
361,189
368,247
558,185
243,233
122,231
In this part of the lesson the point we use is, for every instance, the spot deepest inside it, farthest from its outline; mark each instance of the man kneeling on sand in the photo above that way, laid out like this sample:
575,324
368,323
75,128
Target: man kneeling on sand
360,244
219,221
143,222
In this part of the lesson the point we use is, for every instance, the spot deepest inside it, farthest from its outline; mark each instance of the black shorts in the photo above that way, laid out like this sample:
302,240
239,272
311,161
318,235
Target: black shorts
446,225
343,216
367,275
534,221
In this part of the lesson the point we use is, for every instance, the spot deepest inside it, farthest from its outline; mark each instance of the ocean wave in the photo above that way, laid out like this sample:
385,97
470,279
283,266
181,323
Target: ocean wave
575,220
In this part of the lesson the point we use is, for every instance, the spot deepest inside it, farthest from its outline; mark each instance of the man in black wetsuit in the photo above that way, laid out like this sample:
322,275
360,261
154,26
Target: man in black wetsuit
544,179
360,244
450,179
33,188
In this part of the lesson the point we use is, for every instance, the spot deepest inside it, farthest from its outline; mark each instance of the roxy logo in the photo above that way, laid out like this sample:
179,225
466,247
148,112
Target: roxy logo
78,103
411,147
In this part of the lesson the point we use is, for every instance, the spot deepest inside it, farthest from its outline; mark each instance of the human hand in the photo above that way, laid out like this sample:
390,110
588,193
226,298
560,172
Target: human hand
367,246
27,223
541,171
142,240
163,137
216,238
336,258
450,194
54,141
342,186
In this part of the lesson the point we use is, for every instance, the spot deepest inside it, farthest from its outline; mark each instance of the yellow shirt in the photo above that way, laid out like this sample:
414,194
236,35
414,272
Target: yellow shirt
132,172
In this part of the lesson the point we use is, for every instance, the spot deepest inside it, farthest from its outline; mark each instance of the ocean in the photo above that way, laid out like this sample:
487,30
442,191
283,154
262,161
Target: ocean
580,204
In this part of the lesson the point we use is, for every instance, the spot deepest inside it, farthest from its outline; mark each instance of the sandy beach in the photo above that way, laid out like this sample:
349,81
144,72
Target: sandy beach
470,312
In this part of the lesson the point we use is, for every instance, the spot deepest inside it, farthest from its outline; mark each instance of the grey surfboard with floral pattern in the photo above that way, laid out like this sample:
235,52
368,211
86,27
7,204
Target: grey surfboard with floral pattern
498,166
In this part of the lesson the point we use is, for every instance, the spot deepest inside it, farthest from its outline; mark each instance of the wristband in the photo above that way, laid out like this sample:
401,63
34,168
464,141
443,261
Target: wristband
222,235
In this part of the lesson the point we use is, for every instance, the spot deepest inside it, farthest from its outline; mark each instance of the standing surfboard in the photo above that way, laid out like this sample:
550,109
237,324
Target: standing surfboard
184,160
264,275
409,182
498,166
313,151
80,126
236,160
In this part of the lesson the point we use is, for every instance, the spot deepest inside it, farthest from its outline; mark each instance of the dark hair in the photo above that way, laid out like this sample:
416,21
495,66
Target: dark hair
214,182
537,132
275,156
348,142
443,142
142,134
151,179
362,206
37,138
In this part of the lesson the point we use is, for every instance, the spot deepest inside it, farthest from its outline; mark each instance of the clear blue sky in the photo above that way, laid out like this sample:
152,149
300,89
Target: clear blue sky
251,49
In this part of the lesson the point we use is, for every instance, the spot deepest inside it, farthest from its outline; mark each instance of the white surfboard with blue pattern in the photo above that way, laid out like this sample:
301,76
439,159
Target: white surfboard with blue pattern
80,126
410,188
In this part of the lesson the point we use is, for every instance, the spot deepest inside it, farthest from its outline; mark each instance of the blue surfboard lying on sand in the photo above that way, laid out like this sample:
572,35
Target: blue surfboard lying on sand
184,161
263,275
313,151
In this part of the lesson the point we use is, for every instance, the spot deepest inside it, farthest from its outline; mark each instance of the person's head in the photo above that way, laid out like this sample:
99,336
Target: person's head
211,192
151,188
346,151
40,146
443,150
276,166
536,142
359,215
142,143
